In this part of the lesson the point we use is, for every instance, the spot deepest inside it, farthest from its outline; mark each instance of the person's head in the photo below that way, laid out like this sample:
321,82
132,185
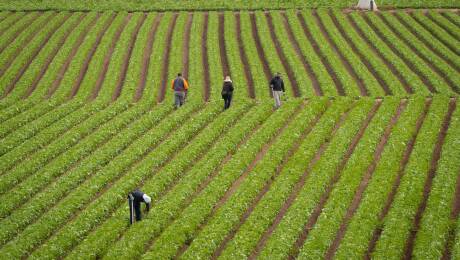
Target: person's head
278,75
179,74
227,78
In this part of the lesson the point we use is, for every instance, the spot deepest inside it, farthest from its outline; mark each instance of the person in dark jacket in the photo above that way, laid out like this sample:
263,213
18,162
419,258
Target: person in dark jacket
135,199
180,87
227,92
277,87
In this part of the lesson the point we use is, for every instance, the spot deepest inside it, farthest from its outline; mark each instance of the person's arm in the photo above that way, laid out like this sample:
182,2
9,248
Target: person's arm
172,84
282,85
231,87
271,83
185,84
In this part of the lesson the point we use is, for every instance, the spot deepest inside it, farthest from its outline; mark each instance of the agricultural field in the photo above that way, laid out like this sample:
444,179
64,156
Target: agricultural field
361,161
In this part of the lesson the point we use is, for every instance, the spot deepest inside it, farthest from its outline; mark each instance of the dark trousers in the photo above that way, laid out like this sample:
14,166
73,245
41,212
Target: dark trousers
137,210
227,100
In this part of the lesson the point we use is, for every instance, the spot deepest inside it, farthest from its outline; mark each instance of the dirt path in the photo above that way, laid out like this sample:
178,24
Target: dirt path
282,56
106,62
324,61
361,56
244,57
359,81
427,44
34,54
90,55
453,216
146,57
399,53
165,65
429,181
223,48
205,60
50,58
405,159
364,182
318,209
306,65
186,46
266,187
377,53
260,50
20,30
127,58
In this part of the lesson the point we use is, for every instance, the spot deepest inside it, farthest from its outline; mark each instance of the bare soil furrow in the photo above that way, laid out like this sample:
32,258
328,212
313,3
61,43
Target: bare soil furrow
60,75
376,52
260,50
90,55
106,62
282,56
146,57
318,209
429,180
447,254
50,58
427,44
324,61
127,58
397,181
244,57
165,65
222,47
306,65
186,46
343,60
19,31
361,56
364,182
17,19
205,59
266,188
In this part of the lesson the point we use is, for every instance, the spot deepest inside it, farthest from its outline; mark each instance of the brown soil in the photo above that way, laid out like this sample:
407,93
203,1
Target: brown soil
204,58
318,209
282,56
377,53
266,187
244,58
426,43
260,50
343,59
20,30
361,56
426,59
223,49
434,34
28,40
84,68
400,54
127,58
397,181
186,46
34,54
429,181
50,58
324,61
165,65
65,66
146,57
306,65
364,182
10,23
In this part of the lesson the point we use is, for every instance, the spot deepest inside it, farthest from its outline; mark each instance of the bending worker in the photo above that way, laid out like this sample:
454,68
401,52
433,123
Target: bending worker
135,199
180,87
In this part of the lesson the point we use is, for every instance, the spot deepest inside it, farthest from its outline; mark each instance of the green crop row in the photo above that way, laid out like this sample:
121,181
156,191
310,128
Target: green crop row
250,231
215,64
12,27
99,194
207,198
178,197
359,231
443,22
7,19
196,70
398,222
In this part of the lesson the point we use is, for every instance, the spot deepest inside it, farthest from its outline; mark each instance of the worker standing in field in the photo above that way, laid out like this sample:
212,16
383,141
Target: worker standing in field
277,88
180,87
135,199
227,92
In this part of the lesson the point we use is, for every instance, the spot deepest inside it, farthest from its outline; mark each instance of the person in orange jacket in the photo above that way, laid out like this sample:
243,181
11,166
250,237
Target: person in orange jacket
180,87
